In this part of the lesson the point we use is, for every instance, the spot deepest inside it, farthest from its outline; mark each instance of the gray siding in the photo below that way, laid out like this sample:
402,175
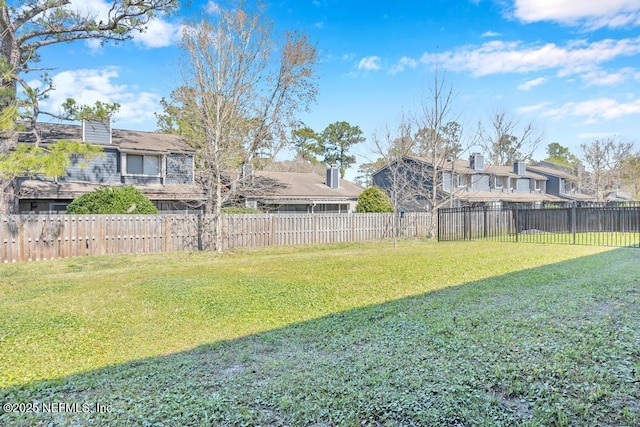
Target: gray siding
179,169
104,168
553,185
446,181
480,182
524,186
96,132
141,179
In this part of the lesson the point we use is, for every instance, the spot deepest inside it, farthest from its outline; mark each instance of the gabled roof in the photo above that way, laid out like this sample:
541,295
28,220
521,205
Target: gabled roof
297,185
553,170
46,189
488,196
462,167
126,140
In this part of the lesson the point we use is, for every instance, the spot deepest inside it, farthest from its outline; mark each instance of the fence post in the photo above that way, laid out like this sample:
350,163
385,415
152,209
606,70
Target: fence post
166,234
272,240
485,222
21,239
467,224
573,221
353,227
199,230
515,221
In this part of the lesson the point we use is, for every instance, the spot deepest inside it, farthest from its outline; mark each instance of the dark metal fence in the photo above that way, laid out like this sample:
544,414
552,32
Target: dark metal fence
579,224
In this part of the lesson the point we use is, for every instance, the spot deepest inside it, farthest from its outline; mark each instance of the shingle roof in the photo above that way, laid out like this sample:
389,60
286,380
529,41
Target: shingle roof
554,172
486,196
43,189
307,185
124,139
462,166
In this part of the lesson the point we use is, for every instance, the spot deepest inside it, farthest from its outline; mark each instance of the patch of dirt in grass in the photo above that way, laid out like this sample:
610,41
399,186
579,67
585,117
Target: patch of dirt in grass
233,370
519,407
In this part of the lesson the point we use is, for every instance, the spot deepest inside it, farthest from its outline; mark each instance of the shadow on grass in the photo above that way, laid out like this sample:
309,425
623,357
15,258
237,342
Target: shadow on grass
554,345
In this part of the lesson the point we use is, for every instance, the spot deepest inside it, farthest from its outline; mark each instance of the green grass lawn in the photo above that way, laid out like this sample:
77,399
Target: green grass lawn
442,334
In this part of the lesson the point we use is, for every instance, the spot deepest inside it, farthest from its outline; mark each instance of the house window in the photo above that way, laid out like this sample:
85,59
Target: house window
514,183
461,180
58,207
536,185
499,181
138,164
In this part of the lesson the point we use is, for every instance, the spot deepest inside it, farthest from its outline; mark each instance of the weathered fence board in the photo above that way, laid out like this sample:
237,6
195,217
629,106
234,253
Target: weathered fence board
42,237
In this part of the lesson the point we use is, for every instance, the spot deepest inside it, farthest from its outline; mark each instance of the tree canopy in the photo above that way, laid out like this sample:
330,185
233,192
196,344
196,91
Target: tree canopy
561,155
27,26
331,146
242,86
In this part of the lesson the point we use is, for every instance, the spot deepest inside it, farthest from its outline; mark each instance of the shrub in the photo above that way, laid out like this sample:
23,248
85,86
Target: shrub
108,200
374,199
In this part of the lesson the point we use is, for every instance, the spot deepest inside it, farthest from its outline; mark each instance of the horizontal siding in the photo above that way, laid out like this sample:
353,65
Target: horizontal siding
103,168
179,169
141,179
97,132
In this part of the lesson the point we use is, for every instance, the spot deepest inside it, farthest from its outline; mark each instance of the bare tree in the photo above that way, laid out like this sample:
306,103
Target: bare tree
506,142
605,159
29,25
240,94
631,175
400,173
441,143
420,156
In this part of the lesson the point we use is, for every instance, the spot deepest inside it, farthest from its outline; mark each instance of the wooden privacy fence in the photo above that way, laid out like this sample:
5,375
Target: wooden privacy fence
40,237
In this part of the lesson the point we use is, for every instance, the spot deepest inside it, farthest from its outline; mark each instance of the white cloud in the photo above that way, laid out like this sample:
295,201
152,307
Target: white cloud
369,63
488,34
95,45
603,78
212,7
497,57
159,33
319,24
596,110
87,86
96,8
532,83
535,108
592,14
402,64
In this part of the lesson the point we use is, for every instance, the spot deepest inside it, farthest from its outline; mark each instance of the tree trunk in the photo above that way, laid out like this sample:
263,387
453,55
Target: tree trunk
217,216
8,186
8,93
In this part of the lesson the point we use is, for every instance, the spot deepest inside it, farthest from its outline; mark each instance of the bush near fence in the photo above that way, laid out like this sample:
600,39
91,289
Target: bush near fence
41,237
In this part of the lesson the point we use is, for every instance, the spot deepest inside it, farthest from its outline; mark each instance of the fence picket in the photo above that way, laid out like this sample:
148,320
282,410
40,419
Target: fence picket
38,237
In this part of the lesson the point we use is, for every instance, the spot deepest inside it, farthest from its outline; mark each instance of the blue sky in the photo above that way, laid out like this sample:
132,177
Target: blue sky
572,67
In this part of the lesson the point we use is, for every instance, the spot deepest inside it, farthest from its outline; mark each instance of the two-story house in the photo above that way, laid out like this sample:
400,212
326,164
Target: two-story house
561,181
159,165
465,183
